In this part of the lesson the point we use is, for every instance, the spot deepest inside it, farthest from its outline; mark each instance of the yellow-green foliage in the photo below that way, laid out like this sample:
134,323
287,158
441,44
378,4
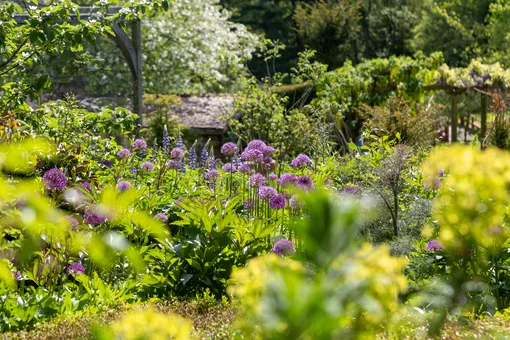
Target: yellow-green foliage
149,324
474,198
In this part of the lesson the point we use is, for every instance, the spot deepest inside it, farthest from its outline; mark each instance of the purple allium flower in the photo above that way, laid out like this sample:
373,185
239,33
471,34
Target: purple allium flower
165,140
300,161
161,217
434,246
305,182
267,150
244,168
192,156
73,223
256,145
252,155
177,153
295,202
92,218
247,204
174,164
256,180
54,179
86,186
211,175
267,159
277,202
123,154
139,145
229,168
272,177
228,149
266,192
76,269
461,299
204,156
123,186
494,230
147,166
352,190
286,179
284,248
108,163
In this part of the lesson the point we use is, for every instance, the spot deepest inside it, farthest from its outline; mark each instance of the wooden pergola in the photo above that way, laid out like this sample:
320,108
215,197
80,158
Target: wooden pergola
131,47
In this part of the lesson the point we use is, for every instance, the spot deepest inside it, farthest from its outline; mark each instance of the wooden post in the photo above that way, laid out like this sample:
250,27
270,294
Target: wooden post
136,33
483,118
454,118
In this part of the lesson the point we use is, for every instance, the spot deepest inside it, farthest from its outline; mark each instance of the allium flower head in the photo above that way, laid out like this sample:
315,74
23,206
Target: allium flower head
295,202
177,153
300,161
256,145
139,145
93,218
174,164
286,180
434,246
267,150
54,179
305,182
228,149
252,155
73,223
277,202
229,168
161,217
272,177
267,159
147,166
256,180
108,163
76,269
123,154
123,186
211,175
266,192
86,186
244,168
284,248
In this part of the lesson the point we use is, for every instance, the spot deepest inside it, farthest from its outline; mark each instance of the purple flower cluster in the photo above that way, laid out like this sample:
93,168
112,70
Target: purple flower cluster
139,145
73,223
177,153
162,217
123,186
305,182
252,155
76,269
277,202
286,180
86,186
272,177
204,156
165,140
123,154
228,149
256,180
192,156
229,167
434,246
147,166
300,161
352,190
54,179
94,219
284,248
266,192
173,164
244,168
211,175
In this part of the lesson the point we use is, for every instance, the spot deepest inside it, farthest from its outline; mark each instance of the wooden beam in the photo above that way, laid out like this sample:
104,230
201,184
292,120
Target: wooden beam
483,118
136,33
454,117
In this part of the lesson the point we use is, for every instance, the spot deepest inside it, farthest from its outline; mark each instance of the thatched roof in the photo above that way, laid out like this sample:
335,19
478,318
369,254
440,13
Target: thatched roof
202,113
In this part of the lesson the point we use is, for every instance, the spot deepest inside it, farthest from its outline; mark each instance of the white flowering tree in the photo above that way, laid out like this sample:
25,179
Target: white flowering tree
191,48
